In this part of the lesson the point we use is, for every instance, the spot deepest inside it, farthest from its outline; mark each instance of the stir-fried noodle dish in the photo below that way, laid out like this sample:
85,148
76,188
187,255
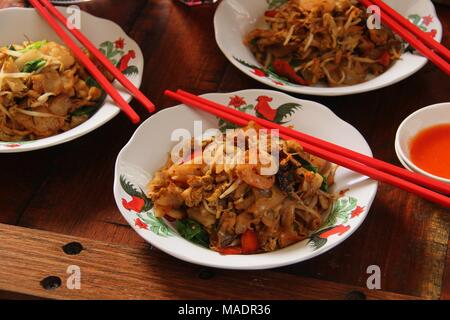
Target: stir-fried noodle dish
43,91
324,41
239,206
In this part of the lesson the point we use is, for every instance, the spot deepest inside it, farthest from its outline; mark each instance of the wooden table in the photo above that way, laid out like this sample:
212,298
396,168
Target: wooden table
53,197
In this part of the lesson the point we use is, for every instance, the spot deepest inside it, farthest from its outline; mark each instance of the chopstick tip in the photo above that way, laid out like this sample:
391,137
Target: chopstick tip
169,93
135,119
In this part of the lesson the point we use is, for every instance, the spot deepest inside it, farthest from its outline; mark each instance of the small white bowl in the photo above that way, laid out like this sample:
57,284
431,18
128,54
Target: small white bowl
421,119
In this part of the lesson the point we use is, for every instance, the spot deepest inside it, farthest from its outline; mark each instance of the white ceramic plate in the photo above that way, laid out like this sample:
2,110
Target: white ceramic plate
107,35
235,18
147,152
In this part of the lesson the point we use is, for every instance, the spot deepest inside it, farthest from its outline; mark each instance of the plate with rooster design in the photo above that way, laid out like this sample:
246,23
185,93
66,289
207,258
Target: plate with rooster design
143,155
109,37
234,19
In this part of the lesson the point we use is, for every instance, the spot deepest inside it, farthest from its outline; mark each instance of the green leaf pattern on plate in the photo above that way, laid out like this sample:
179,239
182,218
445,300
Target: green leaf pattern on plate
341,211
336,222
113,54
155,225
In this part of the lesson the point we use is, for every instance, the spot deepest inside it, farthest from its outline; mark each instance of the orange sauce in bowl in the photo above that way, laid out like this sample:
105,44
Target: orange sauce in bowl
430,150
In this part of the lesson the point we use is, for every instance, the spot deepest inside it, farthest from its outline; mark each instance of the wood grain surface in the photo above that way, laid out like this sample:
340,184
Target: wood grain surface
109,271
68,189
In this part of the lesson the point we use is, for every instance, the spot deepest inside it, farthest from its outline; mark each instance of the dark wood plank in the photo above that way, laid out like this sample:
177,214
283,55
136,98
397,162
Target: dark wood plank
446,279
110,271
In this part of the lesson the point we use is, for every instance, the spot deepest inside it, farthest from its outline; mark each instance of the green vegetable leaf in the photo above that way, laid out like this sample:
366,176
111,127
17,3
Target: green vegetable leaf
34,65
85,111
295,63
308,166
276,3
34,45
324,187
193,231
89,110
91,82
254,42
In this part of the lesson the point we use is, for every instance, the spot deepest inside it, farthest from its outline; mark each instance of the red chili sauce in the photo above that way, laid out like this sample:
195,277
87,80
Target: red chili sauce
430,150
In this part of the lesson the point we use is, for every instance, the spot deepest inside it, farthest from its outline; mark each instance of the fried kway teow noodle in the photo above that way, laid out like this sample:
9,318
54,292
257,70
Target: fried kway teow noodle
323,41
43,91
233,207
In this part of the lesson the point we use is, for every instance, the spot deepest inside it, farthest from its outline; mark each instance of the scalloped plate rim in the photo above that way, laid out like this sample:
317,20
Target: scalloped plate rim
320,91
47,142
212,263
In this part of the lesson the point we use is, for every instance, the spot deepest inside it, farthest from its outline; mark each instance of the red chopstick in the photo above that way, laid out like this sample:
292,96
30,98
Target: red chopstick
412,40
241,118
87,63
102,59
426,38
361,158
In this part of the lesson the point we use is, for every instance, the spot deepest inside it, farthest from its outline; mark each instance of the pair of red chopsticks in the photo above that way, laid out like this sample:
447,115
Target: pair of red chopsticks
421,41
47,11
368,166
